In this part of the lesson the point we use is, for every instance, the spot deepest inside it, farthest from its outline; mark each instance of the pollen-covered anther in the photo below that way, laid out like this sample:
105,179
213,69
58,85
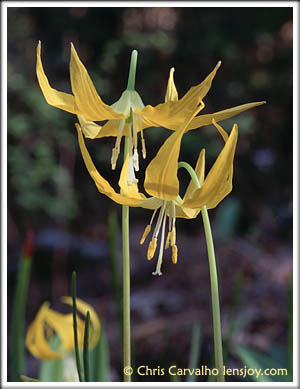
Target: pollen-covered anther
114,157
168,240
144,153
173,236
151,248
145,234
136,160
174,254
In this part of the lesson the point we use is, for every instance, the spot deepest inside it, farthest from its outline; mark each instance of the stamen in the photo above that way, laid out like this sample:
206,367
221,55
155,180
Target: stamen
136,160
142,135
173,236
134,136
151,248
160,218
145,234
148,228
116,149
161,250
168,240
174,254
132,179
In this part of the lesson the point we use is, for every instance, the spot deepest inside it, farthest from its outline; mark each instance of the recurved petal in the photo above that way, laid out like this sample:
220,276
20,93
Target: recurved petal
161,174
62,324
205,120
171,92
111,128
221,130
199,170
57,99
87,99
35,339
218,182
186,213
95,322
90,129
173,113
102,185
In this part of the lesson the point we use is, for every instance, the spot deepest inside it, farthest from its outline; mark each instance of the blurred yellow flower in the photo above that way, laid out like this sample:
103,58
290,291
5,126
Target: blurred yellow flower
128,116
49,323
161,182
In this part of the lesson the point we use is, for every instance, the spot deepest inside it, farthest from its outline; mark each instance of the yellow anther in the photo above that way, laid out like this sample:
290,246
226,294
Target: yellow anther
173,236
152,248
145,234
144,148
174,254
168,240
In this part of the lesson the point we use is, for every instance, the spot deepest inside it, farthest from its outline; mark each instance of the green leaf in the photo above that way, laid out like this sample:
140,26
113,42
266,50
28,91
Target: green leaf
86,348
52,370
227,217
195,351
78,364
257,360
18,318
99,359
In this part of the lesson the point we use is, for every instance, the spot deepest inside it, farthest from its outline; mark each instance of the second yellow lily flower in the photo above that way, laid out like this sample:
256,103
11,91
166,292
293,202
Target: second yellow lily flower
161,182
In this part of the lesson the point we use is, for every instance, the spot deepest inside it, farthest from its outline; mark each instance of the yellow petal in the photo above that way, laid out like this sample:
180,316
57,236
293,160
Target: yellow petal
218,182
95,322
130,191
111,128
199,170
161,174
205,120
173,113
171,93
222,132
53,97
90,129
186,213
87,99
102,185
35,338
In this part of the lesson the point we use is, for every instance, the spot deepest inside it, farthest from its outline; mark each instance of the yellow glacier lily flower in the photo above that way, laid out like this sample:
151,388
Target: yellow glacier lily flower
161,183
128,116
48,322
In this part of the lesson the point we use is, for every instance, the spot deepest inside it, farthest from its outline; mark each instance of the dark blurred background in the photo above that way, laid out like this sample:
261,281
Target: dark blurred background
50,191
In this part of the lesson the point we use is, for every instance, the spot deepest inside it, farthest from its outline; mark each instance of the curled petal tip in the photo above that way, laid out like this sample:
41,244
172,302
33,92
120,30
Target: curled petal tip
219,64
172,70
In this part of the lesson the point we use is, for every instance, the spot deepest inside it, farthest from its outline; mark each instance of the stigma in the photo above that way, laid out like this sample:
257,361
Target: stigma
166,210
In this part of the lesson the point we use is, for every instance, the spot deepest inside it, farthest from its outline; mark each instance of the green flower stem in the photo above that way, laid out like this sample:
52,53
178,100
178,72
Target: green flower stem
125,240
213,279
214,295
132,70
126,282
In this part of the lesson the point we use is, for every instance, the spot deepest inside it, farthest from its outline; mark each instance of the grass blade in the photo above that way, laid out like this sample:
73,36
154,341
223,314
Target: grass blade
77,356
18,313
86,348
195,351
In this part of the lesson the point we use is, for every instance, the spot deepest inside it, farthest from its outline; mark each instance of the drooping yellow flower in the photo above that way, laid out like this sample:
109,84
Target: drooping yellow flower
128,116
48,323
161,183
